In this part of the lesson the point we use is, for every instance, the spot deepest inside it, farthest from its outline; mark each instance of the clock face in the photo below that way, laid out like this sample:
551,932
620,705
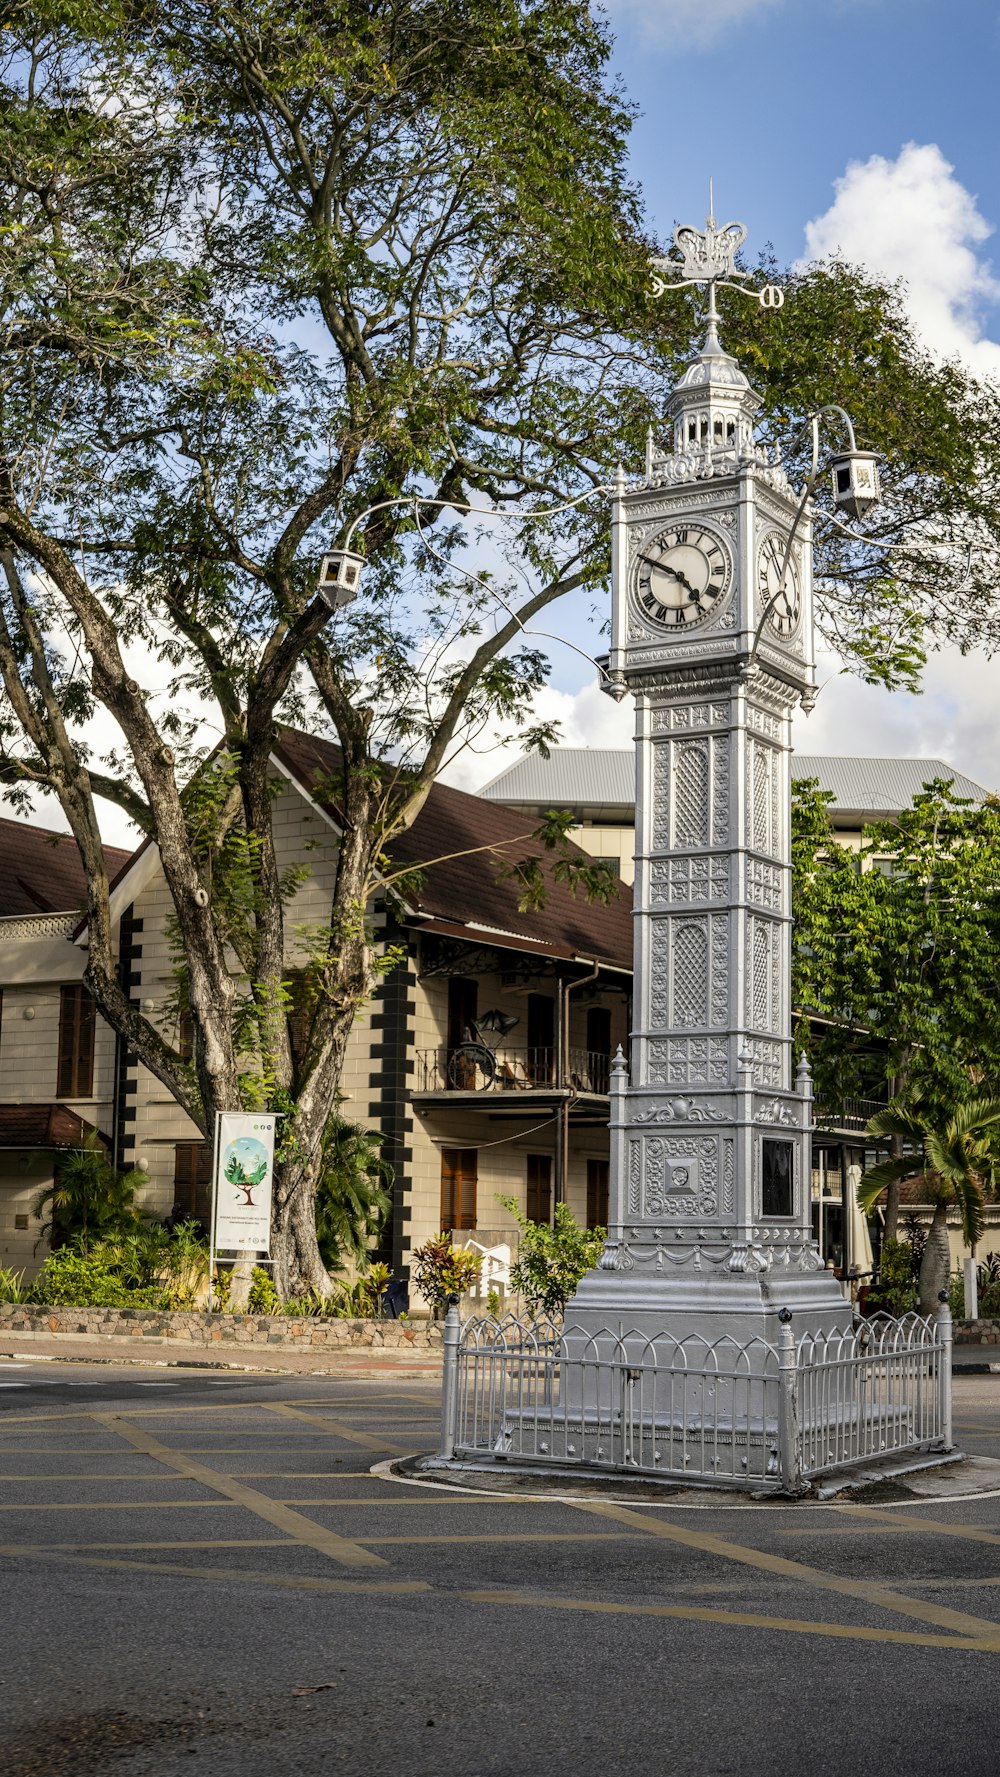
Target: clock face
779,596
683,573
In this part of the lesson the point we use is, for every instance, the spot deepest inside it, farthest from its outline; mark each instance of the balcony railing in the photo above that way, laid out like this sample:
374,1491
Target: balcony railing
474,1067
851,1113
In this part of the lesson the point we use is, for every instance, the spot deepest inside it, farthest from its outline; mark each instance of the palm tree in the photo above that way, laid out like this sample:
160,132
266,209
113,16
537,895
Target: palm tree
354,1195
89,1198
961,1165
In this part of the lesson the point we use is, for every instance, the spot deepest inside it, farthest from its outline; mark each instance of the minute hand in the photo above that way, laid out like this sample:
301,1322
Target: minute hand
675,574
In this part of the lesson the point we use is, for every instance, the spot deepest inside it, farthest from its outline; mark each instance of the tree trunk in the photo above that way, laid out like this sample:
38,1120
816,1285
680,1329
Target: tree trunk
935,1265
298,1267
890,1231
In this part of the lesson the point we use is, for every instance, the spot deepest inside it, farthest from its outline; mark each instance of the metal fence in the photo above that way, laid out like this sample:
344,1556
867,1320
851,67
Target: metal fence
757,1416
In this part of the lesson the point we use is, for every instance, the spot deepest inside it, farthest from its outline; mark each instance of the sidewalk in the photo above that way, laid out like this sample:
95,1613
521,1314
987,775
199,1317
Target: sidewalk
360,1365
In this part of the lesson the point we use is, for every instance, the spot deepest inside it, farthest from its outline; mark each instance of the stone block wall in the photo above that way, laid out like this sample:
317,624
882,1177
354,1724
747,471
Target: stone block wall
977,1332
211,1330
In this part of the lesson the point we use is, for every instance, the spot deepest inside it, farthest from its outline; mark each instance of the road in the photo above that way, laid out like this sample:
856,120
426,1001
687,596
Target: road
200,1574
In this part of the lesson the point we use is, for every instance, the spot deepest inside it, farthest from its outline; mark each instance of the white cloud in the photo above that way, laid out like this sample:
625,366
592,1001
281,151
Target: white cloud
588,718
954,719
687,24
910,218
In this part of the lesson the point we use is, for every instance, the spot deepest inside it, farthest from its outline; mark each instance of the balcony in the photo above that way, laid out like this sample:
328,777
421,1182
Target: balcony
474,1070
851,1115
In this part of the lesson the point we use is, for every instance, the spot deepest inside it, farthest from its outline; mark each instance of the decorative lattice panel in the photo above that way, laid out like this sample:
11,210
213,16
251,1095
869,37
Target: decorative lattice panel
760,1016
691,794
690,975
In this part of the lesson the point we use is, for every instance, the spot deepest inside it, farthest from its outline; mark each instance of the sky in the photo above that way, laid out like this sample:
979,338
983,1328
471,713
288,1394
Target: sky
865,126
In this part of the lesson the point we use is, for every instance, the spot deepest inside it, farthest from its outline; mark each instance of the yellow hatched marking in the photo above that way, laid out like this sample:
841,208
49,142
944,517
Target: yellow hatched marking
334,1428
327,1542
301,1582
738,1619
970,1533
863,1591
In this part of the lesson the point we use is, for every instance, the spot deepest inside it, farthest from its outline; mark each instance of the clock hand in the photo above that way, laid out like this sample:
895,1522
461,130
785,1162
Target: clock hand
675,574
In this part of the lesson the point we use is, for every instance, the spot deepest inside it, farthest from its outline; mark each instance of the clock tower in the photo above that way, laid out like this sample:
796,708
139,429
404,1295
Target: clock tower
710,1231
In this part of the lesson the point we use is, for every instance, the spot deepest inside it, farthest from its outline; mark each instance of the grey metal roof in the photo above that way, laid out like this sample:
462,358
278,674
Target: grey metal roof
571,777
604,777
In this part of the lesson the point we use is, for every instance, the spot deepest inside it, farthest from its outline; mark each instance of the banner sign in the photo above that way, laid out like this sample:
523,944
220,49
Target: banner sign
244,1172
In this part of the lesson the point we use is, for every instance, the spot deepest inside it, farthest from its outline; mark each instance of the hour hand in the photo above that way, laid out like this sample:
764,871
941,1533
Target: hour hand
675,574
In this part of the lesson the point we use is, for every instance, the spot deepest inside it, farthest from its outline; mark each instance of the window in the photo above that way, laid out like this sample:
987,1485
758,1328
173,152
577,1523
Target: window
193,1180
75,1065
597,1193
459,1177
540,1188
776,1180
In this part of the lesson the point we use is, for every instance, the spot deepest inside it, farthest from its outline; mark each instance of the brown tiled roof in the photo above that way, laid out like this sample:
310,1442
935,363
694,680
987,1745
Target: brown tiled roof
470,890
42,1126
41,872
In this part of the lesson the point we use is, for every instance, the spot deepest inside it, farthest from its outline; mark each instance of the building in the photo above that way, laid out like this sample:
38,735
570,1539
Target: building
484,1058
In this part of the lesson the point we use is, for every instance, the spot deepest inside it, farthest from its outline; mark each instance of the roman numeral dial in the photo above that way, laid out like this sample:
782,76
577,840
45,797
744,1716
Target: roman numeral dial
682,574
777,586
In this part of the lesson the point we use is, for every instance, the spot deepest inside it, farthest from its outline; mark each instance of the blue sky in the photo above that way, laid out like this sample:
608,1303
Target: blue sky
775,97
868,126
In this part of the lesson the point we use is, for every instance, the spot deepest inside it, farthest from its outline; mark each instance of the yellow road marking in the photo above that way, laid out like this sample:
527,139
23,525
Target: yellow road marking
327,1542
303,1582
232,1542
217,1408
334,1427
863,1591
906,1521
113,1505
515,1536
738,1619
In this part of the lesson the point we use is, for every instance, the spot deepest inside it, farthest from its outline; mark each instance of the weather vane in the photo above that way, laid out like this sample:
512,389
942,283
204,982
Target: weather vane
707,256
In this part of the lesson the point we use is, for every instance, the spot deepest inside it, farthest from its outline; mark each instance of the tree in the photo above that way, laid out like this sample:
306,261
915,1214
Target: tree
961,1166
552,1260
265,271
894,950
89,1199
353,1195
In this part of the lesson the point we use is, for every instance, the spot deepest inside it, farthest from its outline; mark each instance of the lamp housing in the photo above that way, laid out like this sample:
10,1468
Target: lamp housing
856,486
339,577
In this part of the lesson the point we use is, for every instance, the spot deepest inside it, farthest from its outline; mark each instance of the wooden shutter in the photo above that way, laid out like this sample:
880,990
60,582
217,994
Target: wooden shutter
193,1179
77,1026
539,1204
597,1193
459,1178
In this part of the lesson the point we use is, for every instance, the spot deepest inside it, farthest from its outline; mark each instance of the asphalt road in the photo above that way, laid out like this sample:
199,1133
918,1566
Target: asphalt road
199,1573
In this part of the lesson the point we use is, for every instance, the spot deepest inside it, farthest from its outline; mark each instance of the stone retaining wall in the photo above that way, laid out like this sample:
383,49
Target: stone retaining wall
977,1332
312,1332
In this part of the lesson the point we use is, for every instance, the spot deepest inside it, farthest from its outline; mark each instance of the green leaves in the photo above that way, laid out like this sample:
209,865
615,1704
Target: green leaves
895,945
552,1260
957,1147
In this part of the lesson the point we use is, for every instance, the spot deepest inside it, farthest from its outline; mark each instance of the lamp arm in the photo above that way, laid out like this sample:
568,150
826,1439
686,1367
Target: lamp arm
417,500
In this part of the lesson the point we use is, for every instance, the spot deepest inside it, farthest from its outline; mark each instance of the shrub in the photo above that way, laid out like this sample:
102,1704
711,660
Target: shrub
894,1290
13,1287
441,1270
551,1261
988,1279
80,1280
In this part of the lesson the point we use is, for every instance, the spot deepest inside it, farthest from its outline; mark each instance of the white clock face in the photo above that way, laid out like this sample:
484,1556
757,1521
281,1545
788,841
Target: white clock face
683,574
778,590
